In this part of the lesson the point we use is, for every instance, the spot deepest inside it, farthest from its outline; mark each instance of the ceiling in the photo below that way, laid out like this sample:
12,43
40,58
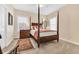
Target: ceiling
45,10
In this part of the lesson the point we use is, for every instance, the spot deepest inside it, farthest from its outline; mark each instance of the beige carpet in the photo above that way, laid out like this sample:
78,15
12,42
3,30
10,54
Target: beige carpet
24,44
53,47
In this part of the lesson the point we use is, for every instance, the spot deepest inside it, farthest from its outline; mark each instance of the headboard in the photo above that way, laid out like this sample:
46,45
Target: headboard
35,25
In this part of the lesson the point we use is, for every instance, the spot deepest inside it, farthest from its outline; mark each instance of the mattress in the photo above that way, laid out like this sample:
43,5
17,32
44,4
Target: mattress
42,34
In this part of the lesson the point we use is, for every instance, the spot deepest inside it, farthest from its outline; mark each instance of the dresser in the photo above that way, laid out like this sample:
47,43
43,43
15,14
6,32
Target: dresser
24,34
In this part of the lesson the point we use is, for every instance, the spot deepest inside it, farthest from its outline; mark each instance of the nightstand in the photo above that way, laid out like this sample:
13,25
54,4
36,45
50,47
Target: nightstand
24,34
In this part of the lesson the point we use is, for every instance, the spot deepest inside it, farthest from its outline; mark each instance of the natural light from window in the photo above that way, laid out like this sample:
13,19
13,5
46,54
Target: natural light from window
53,23
23,23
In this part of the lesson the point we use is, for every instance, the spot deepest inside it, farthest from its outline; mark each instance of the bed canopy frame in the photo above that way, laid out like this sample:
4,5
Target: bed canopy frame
48,38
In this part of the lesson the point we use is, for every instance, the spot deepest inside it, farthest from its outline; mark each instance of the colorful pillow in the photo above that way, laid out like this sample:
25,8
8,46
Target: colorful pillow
33,27
36,27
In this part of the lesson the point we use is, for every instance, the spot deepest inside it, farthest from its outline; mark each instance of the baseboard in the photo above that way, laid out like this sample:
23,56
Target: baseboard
69,41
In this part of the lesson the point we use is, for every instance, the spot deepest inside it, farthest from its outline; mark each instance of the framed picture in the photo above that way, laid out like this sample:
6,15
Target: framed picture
10,19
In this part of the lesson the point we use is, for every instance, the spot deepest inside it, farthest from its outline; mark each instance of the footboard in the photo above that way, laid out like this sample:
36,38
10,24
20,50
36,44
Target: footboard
48,38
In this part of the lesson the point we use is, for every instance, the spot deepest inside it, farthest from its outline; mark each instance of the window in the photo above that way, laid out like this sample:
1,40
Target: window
44,23
23,23
53,23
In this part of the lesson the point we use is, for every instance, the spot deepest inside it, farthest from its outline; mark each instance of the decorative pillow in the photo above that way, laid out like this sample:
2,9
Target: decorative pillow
36,27
32,27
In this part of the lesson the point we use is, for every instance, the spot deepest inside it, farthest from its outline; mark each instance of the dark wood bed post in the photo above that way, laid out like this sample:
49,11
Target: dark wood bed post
58,26
38,25
0,50
30,22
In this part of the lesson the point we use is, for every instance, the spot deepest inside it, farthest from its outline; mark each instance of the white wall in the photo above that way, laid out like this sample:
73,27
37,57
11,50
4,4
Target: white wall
7,35
10,28
69,23
2,26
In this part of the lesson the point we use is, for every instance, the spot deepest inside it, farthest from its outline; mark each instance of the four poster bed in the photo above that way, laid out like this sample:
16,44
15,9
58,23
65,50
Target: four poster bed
44,35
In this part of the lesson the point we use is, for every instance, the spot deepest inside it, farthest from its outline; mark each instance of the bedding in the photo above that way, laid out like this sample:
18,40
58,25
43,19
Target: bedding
43,32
